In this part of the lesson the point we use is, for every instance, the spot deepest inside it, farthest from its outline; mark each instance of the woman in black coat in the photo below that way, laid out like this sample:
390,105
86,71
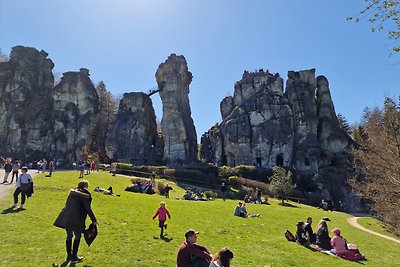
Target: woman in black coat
73,216
322,236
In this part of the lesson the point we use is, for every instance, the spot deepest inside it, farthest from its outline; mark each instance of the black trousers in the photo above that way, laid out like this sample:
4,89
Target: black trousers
16,193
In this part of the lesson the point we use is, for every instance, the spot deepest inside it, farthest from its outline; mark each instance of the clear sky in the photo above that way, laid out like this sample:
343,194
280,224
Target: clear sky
122,42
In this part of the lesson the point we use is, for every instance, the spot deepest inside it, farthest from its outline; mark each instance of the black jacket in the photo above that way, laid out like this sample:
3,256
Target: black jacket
323,240
73,215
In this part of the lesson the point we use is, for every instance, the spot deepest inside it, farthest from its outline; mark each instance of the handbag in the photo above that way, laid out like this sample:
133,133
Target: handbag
90,234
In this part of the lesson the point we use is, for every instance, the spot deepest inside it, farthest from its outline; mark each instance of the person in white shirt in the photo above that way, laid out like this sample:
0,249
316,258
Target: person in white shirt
23,187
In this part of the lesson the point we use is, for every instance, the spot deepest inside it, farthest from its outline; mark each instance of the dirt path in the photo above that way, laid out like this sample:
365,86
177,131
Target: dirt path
353,221
6,188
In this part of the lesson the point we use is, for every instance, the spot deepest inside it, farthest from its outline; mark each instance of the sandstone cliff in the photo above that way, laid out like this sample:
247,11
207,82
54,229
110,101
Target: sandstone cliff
133,137
179,133
298,129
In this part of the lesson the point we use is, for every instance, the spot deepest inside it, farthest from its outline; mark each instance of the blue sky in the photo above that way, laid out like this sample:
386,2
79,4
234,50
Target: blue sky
122,42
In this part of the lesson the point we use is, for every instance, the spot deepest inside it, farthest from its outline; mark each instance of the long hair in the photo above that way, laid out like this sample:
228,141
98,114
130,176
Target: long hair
322,226
224,256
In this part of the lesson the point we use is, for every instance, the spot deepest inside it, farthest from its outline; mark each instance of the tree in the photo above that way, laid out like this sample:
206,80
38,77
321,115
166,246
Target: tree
108,106
383,14
343,124
3,57
281,184
377,161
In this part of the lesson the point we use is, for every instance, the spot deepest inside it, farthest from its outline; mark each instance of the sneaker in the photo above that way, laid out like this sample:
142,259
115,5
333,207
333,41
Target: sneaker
21,206
76,259
13,206
165,226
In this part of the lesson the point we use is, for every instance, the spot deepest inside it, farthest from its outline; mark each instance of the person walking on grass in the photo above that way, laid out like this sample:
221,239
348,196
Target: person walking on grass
162,214
23,187
73,216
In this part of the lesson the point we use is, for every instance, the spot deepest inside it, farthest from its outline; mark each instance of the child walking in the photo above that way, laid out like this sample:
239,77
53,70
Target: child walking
162,213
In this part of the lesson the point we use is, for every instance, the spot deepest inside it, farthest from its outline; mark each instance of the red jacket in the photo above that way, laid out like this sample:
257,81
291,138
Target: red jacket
162,214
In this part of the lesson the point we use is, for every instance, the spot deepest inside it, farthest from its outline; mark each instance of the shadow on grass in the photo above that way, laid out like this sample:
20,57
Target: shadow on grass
164,238
284,204
70,264
11,210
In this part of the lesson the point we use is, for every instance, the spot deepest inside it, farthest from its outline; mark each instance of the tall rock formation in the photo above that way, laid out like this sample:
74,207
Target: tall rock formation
297,129
179,133
75,104
38,120
26,83
133,136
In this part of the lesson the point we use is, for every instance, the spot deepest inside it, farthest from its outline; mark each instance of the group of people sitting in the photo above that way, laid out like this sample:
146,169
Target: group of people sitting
143,186
195,194
241,211
336,245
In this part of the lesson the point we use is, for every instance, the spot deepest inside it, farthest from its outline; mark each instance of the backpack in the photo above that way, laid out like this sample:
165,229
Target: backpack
289,236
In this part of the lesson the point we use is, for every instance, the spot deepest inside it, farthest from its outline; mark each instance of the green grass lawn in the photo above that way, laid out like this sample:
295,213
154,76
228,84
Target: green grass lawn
377,226
128,236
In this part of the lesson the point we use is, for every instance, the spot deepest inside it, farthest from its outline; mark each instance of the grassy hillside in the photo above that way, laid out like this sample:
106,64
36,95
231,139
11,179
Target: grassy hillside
128,236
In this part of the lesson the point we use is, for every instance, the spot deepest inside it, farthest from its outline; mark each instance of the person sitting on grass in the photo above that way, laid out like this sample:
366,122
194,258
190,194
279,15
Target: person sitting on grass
301,234
241,211
162,214
338,243
309,232
322,236
222,259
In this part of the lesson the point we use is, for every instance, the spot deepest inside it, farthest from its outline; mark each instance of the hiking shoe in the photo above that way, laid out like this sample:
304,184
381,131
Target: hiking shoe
76,259
13,205
165,226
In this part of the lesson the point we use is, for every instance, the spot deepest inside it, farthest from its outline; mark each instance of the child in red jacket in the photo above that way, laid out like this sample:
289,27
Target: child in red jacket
162,213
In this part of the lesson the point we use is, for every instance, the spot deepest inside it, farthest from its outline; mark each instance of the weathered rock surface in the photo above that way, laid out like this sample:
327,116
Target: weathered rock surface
298,129
133,137
179,133
75,104
37,119
26,82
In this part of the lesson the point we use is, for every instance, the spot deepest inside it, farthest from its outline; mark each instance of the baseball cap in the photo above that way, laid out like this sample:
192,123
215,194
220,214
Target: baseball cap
191,232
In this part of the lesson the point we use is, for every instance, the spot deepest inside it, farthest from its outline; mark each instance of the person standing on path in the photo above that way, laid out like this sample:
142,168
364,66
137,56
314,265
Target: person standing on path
73,216
162,214
15,170
7,170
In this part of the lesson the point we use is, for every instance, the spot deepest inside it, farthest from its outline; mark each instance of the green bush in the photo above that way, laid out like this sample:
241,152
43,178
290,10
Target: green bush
160,188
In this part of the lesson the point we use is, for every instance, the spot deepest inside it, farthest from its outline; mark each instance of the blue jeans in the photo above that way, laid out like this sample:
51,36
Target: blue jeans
71,233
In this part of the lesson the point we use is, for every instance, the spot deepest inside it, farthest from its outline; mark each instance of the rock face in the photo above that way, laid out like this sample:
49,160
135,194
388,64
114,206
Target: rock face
75,104
133,137
179,133
297,129
37,119
26,82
